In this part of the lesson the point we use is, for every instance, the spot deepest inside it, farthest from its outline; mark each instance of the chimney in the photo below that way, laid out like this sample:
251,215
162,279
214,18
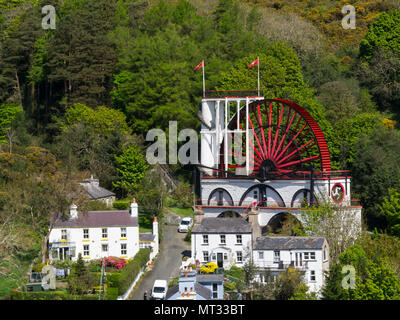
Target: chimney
134,209
73,211
198,215
253,220
155,227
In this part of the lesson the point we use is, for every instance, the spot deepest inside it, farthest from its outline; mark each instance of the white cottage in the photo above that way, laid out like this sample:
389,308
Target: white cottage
309,255
225,241
95,234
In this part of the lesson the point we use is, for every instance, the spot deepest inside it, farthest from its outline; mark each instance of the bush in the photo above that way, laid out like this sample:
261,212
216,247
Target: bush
50,295
210,267
129,273
111,293
37,267
121,205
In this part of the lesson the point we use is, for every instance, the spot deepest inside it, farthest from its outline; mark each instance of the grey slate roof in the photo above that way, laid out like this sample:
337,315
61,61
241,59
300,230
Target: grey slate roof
146,237
202,291
171,291
94,190
198,288
288,243
222,225
92,219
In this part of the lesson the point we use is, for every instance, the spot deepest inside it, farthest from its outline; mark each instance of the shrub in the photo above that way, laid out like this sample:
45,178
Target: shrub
121,205
50,295
132,269
111,293
210,267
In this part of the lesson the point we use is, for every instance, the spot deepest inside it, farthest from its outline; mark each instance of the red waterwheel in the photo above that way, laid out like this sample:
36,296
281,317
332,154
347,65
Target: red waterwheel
286,140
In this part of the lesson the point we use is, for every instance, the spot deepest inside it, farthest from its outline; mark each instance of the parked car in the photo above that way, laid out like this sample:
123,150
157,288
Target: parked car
159,290
185,224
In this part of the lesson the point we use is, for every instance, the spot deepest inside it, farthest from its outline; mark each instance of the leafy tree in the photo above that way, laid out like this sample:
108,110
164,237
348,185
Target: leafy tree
390,208
288,284
336,224
81,280
131,167
384,32
151,194
375,170
8,113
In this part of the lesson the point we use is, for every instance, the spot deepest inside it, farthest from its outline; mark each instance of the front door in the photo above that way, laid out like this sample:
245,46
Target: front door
220,260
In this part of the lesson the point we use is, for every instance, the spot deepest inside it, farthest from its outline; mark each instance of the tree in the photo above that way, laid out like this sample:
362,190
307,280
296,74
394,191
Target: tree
288,284
81,280
390,208
131,168
380,59
338,225
375,170
151,194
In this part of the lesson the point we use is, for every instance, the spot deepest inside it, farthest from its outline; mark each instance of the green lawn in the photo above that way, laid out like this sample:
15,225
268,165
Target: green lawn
183,212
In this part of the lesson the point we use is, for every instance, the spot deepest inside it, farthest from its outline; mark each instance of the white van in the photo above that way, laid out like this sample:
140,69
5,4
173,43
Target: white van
185,225
159,291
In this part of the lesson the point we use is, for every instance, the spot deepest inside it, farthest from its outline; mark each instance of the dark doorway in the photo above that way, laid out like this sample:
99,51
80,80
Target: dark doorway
220,260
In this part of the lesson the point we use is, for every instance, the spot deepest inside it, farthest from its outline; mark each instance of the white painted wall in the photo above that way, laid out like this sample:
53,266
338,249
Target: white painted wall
214,246
318,265
96,240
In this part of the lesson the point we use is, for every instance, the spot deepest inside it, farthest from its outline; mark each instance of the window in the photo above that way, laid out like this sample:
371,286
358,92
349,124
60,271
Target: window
261,255
215,291
222,239
277,256
205,256
123,249
63,234
309,255
85,233
239,239
239,256
86,250
225,256
255,195
312,275
104,233
325,256
205,239
123,232
214,257
104,247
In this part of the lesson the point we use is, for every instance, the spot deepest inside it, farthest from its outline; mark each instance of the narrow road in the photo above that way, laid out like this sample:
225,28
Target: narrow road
167,264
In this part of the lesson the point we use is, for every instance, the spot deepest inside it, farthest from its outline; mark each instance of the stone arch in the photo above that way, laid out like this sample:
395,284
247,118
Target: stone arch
229,214
299,196
222,197
283,223
264,194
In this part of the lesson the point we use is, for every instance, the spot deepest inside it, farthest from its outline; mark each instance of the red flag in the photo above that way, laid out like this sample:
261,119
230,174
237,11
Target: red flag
200,65
255,62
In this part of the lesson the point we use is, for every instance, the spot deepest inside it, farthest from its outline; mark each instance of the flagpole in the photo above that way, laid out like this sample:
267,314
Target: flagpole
258,80
204,83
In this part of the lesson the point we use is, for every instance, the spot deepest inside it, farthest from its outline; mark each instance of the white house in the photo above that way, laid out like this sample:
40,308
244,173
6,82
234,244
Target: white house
225,241
97,234
95,192
192,286
150,239
307,254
